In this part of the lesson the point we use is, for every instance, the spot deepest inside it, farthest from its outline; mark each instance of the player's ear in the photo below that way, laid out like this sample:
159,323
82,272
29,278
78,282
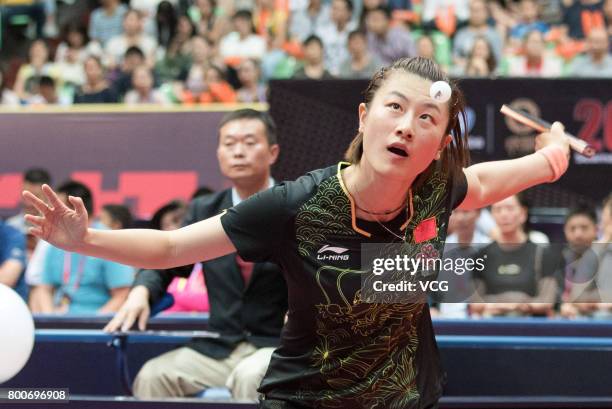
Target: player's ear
362,114
443,144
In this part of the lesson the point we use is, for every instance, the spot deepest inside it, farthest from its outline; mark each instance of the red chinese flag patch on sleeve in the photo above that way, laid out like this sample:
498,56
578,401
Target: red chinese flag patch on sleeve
426,230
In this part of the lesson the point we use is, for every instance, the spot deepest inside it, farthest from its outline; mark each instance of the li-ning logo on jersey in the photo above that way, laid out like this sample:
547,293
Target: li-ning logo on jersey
337,253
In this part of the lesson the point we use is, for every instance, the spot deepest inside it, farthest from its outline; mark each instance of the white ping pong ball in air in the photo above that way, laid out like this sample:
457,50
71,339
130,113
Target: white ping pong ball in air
440,91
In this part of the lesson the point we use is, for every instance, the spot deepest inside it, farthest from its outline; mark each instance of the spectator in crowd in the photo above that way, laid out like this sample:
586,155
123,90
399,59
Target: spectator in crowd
551,11
478,25
271,19
38,65
251,90
134,57
367,6
189,294
362,64
202,55
281,63
116,216
12,258
591,287
464,243
385,42
203,52
76,284
465,231
170,216
580,231
335,35
243,42
75,45
96,89
604,253
534,61
175,62
71,53
445,15
157,15
189,92
143,91
33,178
206,84
437,47
210,20
481,61
308,21
582,15
518,276
33,276
313,67
69,57
107,21
45,92
425,47
528,21
247,301
166,22
8,98
185,31
597,61
133,35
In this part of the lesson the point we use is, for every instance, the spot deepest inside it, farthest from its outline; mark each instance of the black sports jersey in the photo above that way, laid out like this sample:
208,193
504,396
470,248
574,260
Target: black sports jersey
337,351
516,269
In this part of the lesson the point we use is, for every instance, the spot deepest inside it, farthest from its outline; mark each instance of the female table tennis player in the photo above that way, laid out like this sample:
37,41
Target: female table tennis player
406,174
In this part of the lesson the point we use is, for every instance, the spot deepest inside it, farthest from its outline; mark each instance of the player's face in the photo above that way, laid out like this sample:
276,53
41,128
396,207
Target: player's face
509,215
403,127
244,152
580,232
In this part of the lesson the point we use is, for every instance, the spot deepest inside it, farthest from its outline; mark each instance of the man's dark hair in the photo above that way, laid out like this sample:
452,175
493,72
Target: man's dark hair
313,38
582,209
356,33
383,9
46,81
201,191
156,219
248,113
77,189
133,50
244,14
119,213
37,176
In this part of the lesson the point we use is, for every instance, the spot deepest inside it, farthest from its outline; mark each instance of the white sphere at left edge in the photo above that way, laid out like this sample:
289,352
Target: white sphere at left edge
16,333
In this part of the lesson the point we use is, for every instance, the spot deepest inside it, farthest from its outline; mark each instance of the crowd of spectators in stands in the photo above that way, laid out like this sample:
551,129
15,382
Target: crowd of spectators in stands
202,51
